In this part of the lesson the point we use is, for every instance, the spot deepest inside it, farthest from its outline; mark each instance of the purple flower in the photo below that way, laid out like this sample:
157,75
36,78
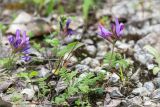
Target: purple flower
115,33
20,44
67,30
103,32
117,28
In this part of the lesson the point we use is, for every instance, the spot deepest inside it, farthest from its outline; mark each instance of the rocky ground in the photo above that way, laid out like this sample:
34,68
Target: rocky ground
142,27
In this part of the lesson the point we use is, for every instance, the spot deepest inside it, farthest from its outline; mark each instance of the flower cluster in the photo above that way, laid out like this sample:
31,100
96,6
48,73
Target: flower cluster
114,34
20,44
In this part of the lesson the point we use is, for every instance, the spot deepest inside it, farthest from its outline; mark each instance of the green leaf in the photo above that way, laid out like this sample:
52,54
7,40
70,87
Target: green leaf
59,99
84,88
86,6
72,90
53,42
70,47
23,75
50,6
156,70
33,74
154,52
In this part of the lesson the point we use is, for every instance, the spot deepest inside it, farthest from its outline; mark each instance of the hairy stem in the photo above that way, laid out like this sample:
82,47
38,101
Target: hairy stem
112,51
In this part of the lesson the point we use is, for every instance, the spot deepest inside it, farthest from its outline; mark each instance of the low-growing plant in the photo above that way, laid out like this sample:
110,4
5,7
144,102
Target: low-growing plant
19,49
112,58
116,62
40,82
79,85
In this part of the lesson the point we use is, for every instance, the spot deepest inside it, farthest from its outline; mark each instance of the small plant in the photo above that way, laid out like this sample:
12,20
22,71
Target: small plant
28,77
156,55
79,85
59,50
114,59
117,62
19,48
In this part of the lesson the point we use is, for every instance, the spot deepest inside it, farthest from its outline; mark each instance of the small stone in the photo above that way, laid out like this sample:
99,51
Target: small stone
113,103
82,68
139,85
88,41
86,61
94,63
114,78
107,76
150,66
114,92
156,81
136,100
61,85
99,103
142,91
149,85
43,71
28,93
123,46
149,104
156,94
91,49
135,76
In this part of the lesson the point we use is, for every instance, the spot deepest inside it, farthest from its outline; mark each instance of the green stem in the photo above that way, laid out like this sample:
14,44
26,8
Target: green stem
112,51
68,57
121,73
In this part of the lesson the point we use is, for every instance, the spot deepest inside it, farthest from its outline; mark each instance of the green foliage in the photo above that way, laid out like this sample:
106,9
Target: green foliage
43,87
86,7
53,42
77,85
7,63
16,98
115,59
3,27
156,55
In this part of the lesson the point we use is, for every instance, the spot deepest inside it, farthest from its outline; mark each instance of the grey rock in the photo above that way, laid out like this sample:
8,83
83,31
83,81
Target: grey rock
150,66
94,63
156,81
142,91
156,94
114,78
82,68
114,92
135,76
139,85
142,55
158,74
86,61
43,72
28,93
108,102
60,86
123,46
91,49
88,41
136,100
126,103
113,103
149,85
102,48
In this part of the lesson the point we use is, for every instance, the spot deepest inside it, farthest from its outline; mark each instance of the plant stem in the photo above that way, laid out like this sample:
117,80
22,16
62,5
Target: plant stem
68,57
112,51
121,73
